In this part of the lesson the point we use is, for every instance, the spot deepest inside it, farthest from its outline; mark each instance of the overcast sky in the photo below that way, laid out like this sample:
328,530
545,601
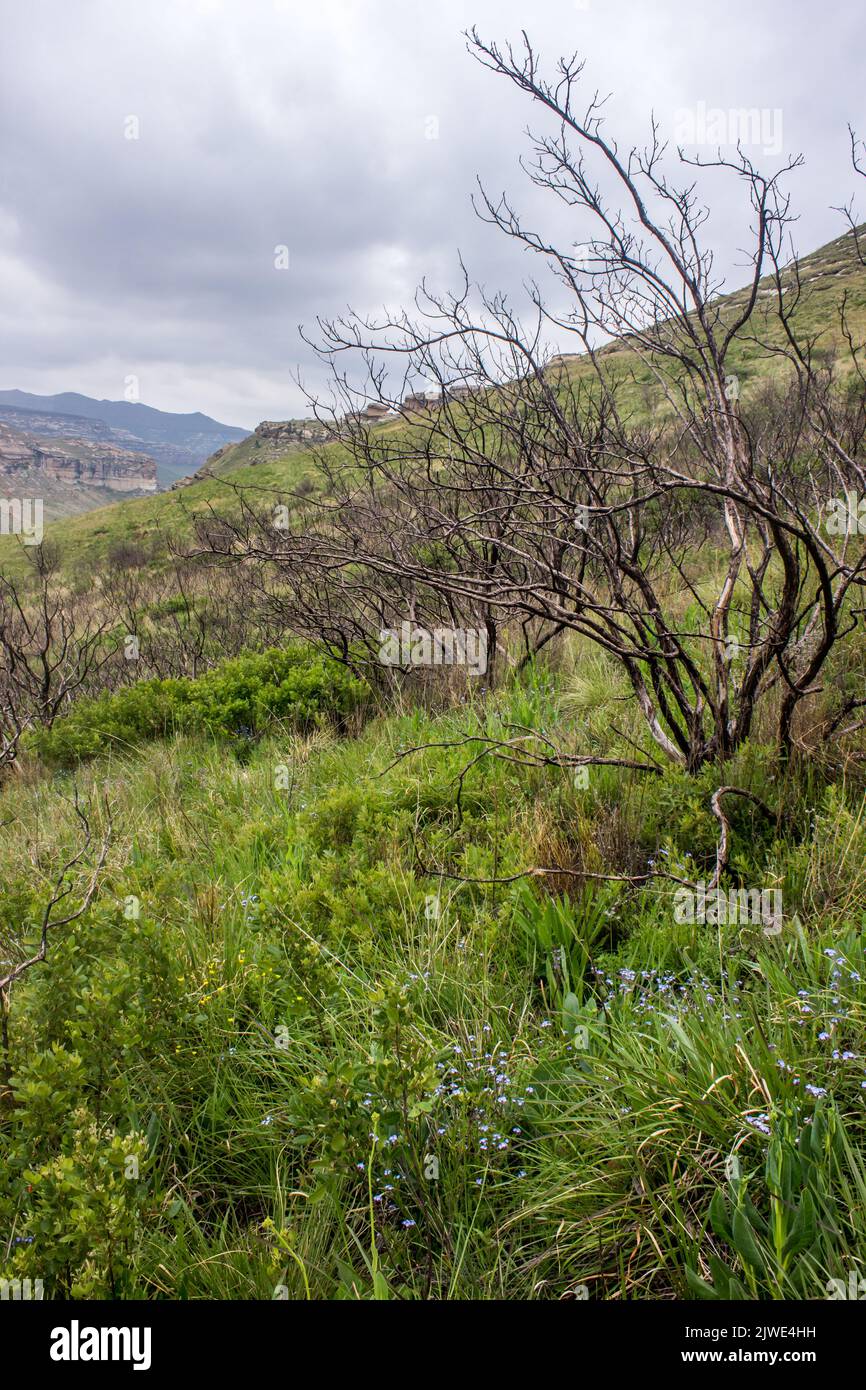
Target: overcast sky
350,131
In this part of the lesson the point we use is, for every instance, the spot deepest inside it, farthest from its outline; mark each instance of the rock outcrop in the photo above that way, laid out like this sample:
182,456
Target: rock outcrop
270,440
279,437
80,462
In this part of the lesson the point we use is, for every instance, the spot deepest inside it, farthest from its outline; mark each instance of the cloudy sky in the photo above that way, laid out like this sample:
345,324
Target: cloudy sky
350,132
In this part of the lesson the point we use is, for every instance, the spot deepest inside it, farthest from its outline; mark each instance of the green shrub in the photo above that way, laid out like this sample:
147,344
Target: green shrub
244,696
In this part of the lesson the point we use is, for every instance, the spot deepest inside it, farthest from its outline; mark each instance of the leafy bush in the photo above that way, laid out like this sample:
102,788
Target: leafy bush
73,1191
294,685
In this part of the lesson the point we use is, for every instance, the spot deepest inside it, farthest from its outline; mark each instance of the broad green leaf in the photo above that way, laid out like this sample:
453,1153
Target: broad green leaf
744,1240
699,1287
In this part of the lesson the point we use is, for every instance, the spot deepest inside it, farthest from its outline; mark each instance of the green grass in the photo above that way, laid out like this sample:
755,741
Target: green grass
348,1072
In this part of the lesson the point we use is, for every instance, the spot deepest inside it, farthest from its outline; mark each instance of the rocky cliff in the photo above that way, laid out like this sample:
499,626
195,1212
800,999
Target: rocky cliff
44,424
78,462
282,435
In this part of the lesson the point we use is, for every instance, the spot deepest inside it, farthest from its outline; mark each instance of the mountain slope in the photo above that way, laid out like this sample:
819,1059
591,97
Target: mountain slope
47,424
828,275
271,440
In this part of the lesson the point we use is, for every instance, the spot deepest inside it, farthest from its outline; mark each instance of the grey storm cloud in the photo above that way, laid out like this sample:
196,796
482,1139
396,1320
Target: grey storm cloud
351,133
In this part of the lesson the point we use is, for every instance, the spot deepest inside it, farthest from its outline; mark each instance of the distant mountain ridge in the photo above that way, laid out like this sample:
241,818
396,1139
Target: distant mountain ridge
47,424
180,443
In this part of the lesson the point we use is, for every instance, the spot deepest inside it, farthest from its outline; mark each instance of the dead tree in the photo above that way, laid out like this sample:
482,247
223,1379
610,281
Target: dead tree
51,649
285,572
633,493
534,489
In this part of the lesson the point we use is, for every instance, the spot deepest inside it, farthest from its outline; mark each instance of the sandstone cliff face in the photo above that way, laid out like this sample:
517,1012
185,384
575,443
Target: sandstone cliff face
81,462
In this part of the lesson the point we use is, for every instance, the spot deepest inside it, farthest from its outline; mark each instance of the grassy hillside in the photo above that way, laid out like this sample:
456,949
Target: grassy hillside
348,1066
828,277
87,540
61,500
